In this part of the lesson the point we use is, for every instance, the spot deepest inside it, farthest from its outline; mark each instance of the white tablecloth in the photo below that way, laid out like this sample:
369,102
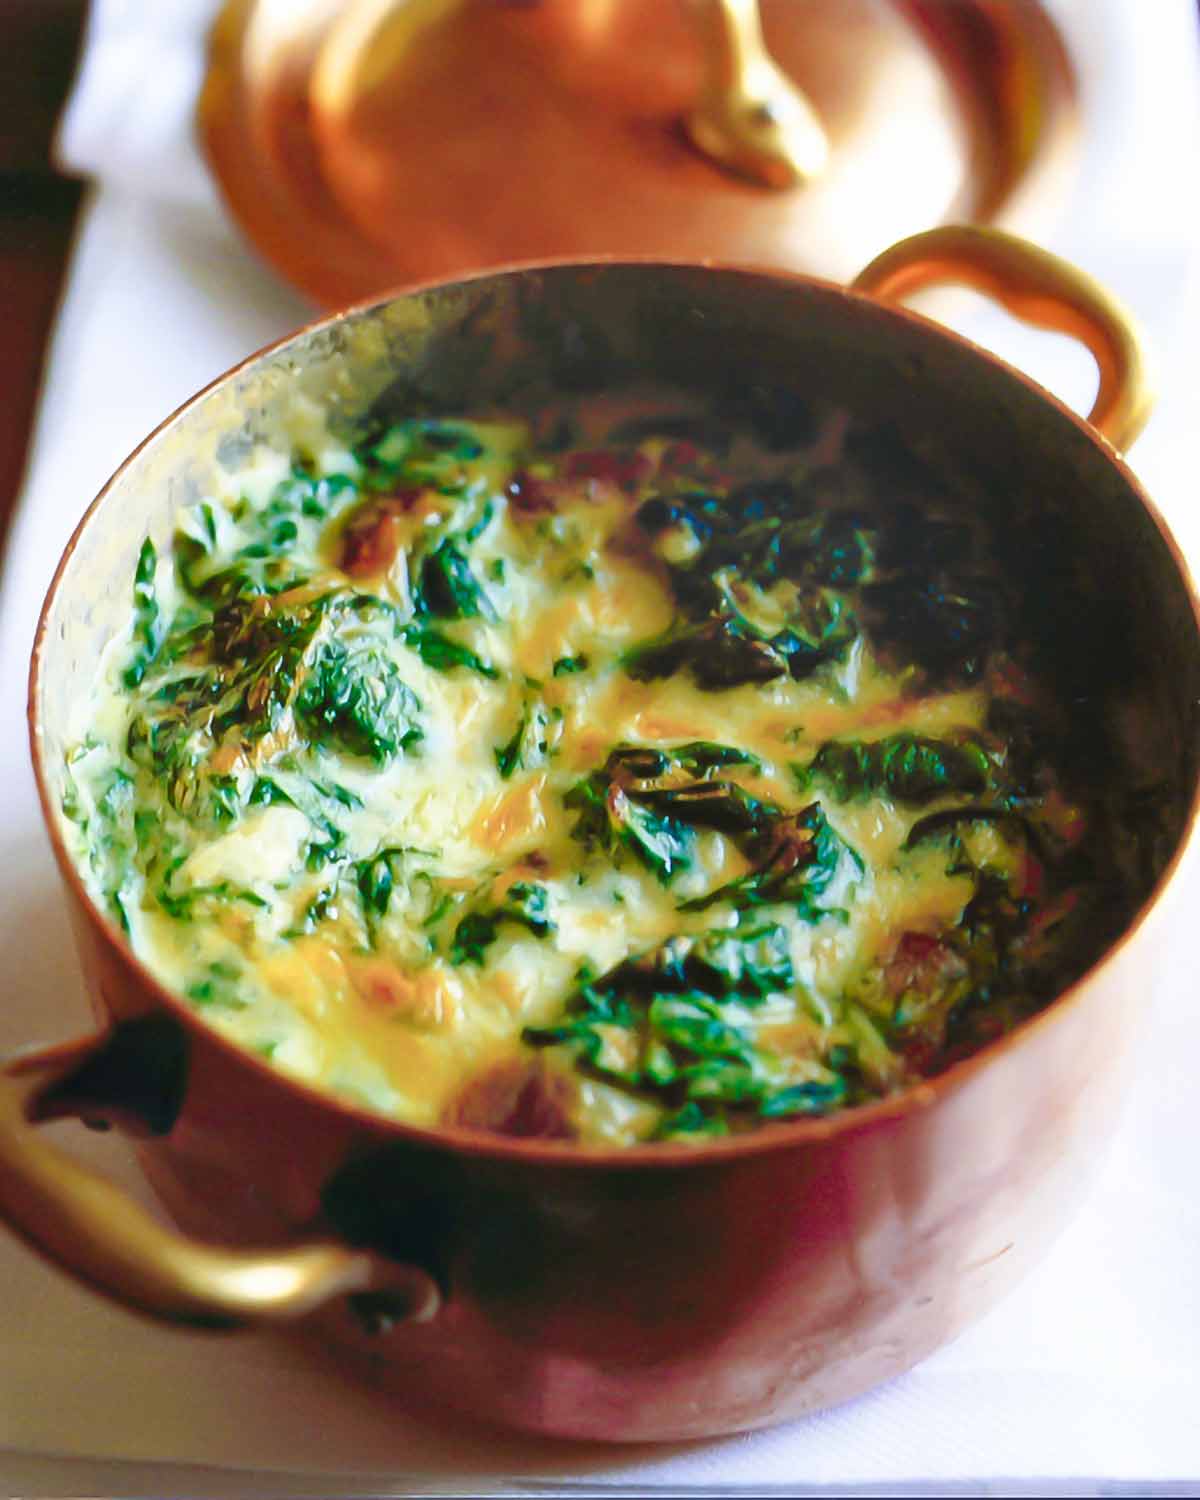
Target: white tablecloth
1088,1374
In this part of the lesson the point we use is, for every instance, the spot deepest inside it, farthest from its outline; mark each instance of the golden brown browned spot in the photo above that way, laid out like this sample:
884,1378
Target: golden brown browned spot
517,1098
920,969
515,816
921,963
374,533
426,998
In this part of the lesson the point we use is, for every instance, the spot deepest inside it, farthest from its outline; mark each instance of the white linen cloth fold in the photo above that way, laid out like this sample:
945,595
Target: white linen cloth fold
130,118
1086,1376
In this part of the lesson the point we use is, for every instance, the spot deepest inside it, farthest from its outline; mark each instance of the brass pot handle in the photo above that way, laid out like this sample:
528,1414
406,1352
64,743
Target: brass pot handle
1040,289
99,1235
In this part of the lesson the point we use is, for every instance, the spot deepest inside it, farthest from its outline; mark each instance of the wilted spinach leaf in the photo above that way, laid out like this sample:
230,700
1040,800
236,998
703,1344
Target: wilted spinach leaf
524,902
799,857
911,768
671,1023
450,589
147,621
353,698
441,653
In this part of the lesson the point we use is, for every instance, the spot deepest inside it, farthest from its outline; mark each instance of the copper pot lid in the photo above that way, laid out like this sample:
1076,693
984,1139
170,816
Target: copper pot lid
364,144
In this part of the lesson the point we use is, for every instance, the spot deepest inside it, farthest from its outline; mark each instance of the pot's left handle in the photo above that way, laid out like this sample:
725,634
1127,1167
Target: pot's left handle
102,1237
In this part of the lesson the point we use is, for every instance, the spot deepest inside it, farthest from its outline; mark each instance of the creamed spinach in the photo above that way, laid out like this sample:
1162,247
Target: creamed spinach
644,782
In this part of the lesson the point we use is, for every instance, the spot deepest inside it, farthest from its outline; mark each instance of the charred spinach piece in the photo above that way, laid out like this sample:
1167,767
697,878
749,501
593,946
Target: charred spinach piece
720,805
646,768
638,800
947,626
721,652
725,650
262,649
700,757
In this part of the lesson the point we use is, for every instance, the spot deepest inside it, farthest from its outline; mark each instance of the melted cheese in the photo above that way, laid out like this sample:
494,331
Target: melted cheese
286,955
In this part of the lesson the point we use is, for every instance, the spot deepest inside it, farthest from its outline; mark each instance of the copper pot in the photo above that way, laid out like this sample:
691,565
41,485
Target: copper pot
656,1292
362,144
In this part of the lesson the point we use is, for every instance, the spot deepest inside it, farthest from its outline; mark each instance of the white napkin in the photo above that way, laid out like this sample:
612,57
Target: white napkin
1087,1374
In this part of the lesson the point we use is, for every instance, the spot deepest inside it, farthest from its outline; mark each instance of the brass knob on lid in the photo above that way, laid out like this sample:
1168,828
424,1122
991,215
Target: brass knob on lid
751,116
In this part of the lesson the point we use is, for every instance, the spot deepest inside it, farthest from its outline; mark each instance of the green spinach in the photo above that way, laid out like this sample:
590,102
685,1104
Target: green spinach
525,903
354,698
910,768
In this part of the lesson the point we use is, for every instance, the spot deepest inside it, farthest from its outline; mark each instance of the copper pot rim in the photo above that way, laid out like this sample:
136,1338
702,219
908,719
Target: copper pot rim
763,1139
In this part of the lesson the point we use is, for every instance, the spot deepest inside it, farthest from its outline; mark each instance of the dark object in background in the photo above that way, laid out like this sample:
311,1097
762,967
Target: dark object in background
39,45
